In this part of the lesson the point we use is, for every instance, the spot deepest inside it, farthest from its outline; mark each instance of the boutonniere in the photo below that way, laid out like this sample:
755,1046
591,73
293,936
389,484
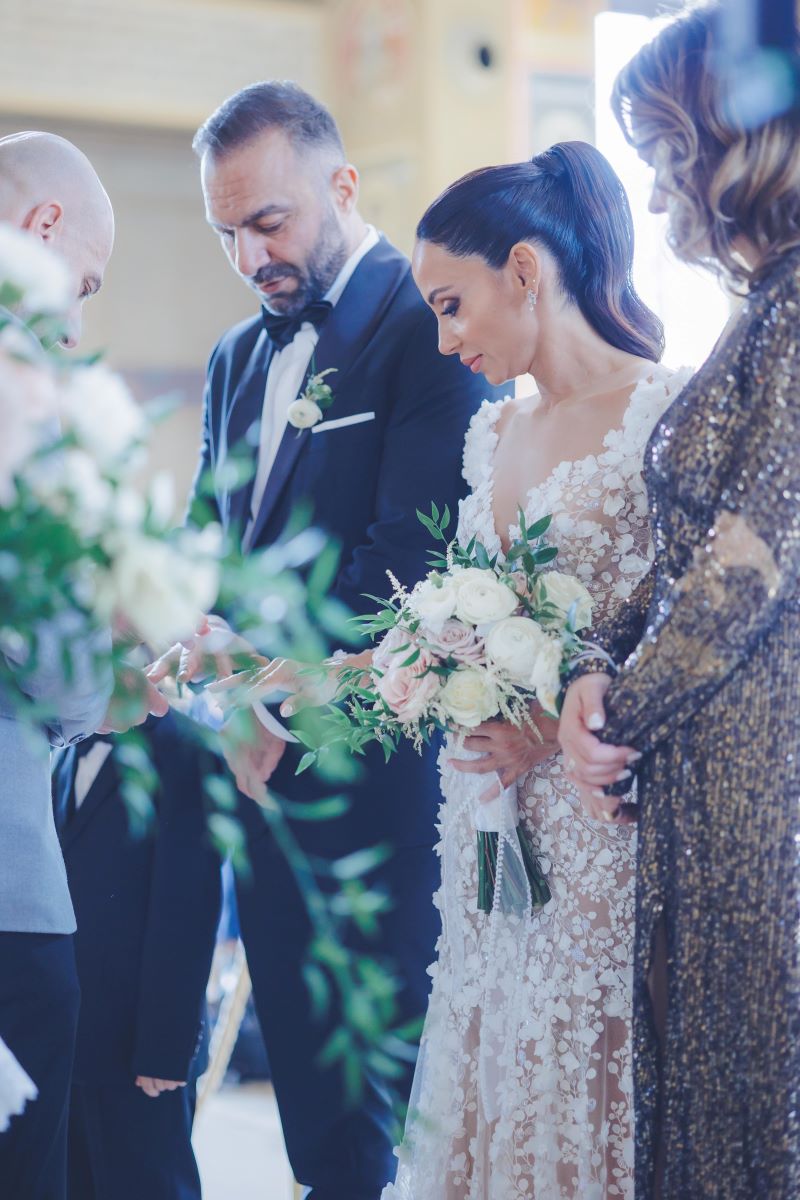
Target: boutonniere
310,405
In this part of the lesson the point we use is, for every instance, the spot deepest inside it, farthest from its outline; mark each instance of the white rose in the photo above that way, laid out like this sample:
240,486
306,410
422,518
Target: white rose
481,598
161,589
514,646
303,413
562,591
546,678
39,274
469,697
102,414
434,601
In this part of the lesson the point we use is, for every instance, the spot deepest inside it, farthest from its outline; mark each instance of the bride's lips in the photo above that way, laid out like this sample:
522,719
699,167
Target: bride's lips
473,363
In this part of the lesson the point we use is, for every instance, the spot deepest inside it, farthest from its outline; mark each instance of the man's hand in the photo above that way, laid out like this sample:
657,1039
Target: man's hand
133,700
590,763
251,752
508,750
154,1087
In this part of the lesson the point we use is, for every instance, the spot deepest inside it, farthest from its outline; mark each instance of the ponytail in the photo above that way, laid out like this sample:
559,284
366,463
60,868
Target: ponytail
569,200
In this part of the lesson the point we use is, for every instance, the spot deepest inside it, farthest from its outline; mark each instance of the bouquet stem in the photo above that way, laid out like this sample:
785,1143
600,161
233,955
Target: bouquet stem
487,870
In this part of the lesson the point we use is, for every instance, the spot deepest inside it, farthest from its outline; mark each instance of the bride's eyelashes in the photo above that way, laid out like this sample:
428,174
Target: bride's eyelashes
450,309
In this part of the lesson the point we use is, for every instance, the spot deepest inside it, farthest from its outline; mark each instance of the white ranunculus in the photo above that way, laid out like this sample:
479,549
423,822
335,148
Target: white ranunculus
39,274
514,645
161,589
469,697
303,413
434,600
481,598
563,591
546,678
103,415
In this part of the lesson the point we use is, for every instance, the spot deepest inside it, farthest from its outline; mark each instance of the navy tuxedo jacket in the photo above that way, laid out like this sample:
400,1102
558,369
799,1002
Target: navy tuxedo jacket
362,483
147,909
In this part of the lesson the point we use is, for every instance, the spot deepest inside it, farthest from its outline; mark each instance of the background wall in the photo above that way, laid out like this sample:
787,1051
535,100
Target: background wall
424,90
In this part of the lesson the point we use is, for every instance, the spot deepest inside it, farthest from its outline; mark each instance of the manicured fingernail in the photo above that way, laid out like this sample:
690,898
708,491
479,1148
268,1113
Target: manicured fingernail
596,721
599,794
286,710
623,775
634,757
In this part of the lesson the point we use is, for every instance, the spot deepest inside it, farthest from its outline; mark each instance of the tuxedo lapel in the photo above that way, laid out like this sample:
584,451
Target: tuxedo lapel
243,412
63,784
345,334
104,785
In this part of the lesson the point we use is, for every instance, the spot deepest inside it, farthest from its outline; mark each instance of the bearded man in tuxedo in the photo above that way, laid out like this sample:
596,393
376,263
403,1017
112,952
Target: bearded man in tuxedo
333,293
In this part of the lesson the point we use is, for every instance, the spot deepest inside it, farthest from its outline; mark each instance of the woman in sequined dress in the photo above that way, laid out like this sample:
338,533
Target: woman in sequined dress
707,693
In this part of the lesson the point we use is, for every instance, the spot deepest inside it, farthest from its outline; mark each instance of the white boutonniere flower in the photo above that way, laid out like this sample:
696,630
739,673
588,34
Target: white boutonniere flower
309,407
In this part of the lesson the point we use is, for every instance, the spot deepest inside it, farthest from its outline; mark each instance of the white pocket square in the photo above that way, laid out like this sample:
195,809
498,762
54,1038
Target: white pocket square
356,419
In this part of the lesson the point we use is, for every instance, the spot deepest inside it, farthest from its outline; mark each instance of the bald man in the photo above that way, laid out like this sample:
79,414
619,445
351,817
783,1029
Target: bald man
48,187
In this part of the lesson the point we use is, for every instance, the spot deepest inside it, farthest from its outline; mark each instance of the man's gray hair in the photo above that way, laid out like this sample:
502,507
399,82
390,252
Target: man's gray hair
265,106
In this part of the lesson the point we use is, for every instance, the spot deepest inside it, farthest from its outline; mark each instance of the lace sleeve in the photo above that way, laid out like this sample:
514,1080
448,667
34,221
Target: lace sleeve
747,566
620,633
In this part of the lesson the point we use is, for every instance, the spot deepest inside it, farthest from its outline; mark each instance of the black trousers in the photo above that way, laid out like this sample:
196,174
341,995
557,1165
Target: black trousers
123,1145
39,1001
338,1150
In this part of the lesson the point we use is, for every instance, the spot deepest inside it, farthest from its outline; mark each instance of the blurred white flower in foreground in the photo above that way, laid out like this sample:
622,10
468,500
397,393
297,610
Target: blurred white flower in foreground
38,276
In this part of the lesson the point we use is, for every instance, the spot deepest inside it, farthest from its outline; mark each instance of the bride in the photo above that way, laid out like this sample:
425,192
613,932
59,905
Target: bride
523,1083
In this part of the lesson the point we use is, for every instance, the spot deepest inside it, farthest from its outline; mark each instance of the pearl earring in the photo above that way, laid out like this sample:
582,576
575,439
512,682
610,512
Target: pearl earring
531,299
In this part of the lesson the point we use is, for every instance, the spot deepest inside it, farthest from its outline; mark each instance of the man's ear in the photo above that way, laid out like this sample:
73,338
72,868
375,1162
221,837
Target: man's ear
45,221
344,184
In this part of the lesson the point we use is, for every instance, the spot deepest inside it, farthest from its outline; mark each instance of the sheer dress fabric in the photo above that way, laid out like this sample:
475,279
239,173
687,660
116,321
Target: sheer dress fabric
523,1085
710,652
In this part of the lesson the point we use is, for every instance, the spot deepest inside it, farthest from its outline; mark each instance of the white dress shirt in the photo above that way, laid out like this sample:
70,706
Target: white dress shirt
286,371
89,766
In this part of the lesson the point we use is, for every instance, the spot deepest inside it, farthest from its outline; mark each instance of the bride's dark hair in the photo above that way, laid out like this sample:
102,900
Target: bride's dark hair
569,200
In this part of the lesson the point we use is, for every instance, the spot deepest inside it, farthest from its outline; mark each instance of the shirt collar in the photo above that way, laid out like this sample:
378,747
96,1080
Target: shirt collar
370,239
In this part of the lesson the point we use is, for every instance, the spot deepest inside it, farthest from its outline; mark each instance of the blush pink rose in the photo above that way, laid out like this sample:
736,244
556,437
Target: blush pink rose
456,639
408,691
388,653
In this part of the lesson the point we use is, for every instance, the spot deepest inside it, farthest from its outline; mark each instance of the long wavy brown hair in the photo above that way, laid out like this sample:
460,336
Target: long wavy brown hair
725,182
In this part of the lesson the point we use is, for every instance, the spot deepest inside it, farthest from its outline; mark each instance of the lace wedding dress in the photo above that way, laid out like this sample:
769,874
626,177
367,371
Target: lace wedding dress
523,1084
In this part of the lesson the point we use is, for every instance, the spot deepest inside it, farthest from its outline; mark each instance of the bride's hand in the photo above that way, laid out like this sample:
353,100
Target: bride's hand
509,750
249,687
309,686
590,763
214,650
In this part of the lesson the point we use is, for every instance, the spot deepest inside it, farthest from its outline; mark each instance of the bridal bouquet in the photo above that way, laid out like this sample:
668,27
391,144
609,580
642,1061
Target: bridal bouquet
480,637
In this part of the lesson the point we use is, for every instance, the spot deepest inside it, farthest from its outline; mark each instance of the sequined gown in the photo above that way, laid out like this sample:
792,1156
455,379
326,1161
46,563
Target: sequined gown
523,1085
709,690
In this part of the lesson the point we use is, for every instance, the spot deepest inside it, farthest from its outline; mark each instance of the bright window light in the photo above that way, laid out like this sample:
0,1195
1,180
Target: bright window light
689,301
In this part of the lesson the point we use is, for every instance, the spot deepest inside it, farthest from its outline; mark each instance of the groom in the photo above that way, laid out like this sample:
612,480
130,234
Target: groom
333,293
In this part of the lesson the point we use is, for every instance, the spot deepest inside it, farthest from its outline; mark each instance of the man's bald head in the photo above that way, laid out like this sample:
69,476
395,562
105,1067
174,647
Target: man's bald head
49,188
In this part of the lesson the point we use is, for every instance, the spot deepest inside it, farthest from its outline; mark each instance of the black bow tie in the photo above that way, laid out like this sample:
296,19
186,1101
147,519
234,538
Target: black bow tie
281,329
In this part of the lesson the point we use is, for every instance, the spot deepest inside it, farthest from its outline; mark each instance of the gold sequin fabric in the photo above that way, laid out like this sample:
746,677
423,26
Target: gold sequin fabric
709,691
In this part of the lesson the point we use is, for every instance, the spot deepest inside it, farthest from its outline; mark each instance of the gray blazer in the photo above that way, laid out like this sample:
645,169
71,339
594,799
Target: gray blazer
63,707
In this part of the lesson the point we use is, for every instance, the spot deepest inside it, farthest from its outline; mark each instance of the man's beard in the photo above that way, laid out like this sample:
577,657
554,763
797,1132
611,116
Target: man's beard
325,261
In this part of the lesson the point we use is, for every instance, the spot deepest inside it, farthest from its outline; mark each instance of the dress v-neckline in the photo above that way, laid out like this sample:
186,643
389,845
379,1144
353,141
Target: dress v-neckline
571,463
